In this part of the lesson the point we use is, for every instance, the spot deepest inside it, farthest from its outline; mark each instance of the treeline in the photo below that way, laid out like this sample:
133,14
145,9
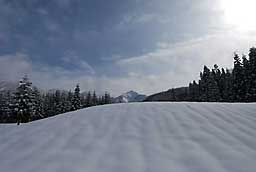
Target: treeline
219,85
27,103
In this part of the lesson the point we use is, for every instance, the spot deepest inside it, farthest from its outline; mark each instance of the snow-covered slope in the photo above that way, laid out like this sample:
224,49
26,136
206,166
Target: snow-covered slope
130,96
141,137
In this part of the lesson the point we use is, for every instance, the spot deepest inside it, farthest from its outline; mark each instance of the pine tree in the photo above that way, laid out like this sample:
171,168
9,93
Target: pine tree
88,99
6,107
252,70
57,103
49,104
213,89
23,101
94,99
76,103
247,77
64,102
2,105
38,110
204,84
222,85
228,86
101,100
107,98
238,80
217,77
69,101
194,91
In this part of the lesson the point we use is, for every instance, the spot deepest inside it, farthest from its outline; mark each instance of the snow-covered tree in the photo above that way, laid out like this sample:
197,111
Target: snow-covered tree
76,102
94,99
24,103
88,99
38,110
69,101
6,107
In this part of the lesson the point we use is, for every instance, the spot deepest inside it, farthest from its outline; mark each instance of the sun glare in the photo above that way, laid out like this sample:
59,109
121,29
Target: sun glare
240,13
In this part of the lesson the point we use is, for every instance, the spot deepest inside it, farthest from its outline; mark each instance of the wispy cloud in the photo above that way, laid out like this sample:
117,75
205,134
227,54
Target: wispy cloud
72,58
178,64
147,46
13,66
168,66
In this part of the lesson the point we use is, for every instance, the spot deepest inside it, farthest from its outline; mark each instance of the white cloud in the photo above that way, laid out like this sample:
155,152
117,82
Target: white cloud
170,65
177,64
72,58
13,66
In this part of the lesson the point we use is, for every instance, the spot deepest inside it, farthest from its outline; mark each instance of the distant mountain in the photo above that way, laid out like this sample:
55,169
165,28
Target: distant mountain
176,94
130,96
7,86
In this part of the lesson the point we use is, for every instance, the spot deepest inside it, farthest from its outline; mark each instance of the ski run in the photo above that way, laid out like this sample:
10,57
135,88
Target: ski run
135,137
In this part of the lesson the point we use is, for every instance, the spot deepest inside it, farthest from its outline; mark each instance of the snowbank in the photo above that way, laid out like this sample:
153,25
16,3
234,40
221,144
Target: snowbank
139,137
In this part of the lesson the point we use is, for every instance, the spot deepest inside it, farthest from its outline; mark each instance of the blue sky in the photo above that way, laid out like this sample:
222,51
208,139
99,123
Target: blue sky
142,45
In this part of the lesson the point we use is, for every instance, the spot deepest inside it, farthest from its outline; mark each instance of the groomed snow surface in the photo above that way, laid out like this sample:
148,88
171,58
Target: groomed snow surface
139,137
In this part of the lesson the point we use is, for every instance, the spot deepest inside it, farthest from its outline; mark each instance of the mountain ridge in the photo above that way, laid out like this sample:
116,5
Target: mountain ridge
130,96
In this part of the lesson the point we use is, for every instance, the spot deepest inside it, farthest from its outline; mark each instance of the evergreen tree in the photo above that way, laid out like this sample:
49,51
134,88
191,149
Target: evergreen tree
64,107
38,110
228,86
2,106
222,85
213,89
94,99
247,77
204,84
101,100
49,104
216,73
23,101
57,102
6,107
69,101
76,103
252,70
238,80
217,77
107,98
88,99
194,91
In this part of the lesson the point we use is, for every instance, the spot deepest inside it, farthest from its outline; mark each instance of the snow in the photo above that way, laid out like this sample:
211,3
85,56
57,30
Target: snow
130,96
136,137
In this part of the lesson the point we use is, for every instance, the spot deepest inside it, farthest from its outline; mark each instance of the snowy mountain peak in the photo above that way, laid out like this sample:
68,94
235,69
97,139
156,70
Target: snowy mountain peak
130,96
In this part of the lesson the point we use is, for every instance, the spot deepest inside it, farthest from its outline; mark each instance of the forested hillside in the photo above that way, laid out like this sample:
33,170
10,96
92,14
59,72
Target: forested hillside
26,103
219,85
